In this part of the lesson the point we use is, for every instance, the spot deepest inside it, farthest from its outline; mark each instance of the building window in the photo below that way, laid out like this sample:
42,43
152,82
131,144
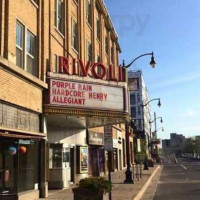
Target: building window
106,44
139,110
133,99
19,45
75,35
30,54
139,124
112,55
89,12
59,15
26,50
89,51
133,111
138,97
36,1
98,60
98,29
76,1
56,64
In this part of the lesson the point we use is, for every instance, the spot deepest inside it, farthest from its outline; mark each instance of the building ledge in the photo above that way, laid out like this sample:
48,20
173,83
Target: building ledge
7,131
11,67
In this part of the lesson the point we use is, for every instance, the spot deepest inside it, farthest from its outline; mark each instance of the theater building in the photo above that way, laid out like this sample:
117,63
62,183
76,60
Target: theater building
60,84
86,90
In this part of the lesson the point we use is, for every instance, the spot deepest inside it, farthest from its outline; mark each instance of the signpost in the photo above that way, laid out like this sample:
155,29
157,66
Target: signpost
108,142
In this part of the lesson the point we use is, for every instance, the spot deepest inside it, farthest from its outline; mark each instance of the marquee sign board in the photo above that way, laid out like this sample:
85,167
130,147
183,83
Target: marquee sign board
85,95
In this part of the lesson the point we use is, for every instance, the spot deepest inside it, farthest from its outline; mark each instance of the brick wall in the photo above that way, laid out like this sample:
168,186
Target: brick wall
16,91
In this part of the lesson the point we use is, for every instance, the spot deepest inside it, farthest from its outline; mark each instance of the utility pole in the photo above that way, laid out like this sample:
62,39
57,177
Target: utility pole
155,136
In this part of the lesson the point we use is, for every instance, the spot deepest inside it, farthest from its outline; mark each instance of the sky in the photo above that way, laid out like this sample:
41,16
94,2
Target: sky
171,29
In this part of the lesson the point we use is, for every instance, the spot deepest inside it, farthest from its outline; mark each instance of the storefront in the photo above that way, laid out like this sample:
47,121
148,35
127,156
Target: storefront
96,153
18,158
73,106
21,165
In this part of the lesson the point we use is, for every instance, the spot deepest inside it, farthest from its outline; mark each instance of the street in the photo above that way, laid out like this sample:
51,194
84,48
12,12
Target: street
179,180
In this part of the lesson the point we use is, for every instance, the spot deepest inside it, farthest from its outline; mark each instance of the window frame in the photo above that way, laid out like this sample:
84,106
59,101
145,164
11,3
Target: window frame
89,12
62,28
133,114
98,29
34,57
89,45
25,53
75,37
106,44
22,49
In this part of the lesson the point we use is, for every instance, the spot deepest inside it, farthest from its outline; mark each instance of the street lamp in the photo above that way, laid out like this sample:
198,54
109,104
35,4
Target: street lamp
128,172
158,99
155,135
161,120
152,62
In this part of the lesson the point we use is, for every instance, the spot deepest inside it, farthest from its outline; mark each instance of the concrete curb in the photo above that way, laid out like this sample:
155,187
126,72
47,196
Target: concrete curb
141,192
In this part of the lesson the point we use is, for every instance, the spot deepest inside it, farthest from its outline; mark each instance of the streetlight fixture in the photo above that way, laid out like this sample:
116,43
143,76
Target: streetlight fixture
152,62
161,120
158,99
128,172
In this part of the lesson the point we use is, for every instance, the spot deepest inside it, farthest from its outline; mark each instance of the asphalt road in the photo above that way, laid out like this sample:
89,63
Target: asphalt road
179,180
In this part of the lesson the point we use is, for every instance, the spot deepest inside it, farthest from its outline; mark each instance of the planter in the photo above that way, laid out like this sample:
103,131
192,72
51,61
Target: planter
87,194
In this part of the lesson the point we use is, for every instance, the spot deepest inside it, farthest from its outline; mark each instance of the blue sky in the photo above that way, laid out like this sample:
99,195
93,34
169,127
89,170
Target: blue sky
170,28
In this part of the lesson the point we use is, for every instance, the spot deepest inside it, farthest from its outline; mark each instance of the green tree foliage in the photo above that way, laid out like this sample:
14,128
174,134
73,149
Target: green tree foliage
191,146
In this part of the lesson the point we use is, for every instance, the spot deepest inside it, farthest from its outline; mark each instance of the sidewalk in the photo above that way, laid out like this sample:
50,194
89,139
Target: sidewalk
120,190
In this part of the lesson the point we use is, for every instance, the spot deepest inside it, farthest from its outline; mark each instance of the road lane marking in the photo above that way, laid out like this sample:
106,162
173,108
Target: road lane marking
185,168
144,188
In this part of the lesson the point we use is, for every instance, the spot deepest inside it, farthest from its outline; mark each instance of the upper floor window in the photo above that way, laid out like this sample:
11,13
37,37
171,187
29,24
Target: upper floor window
59,15
30,54
75,35
89,51
138,98
133,99
112,55
76,1
56,63
98,60
106,44
139,110
89,12
98,29
36,1
26,49
133,111
19,45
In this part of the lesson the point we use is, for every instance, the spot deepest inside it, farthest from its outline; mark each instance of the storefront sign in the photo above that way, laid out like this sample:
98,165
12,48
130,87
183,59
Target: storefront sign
85,95
89,68
95,138
108,139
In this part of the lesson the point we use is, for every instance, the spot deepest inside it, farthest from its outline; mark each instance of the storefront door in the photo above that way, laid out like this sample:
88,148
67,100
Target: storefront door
8,166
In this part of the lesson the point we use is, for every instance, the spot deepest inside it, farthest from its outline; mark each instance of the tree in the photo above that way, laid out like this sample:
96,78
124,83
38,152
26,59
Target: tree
191,146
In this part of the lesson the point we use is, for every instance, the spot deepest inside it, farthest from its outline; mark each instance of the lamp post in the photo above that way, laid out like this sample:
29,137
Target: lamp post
144,130
143,105
128,172
155,132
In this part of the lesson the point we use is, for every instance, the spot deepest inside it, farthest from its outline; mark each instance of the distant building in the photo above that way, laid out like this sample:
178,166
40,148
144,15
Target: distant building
173,144
197,137
138,97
